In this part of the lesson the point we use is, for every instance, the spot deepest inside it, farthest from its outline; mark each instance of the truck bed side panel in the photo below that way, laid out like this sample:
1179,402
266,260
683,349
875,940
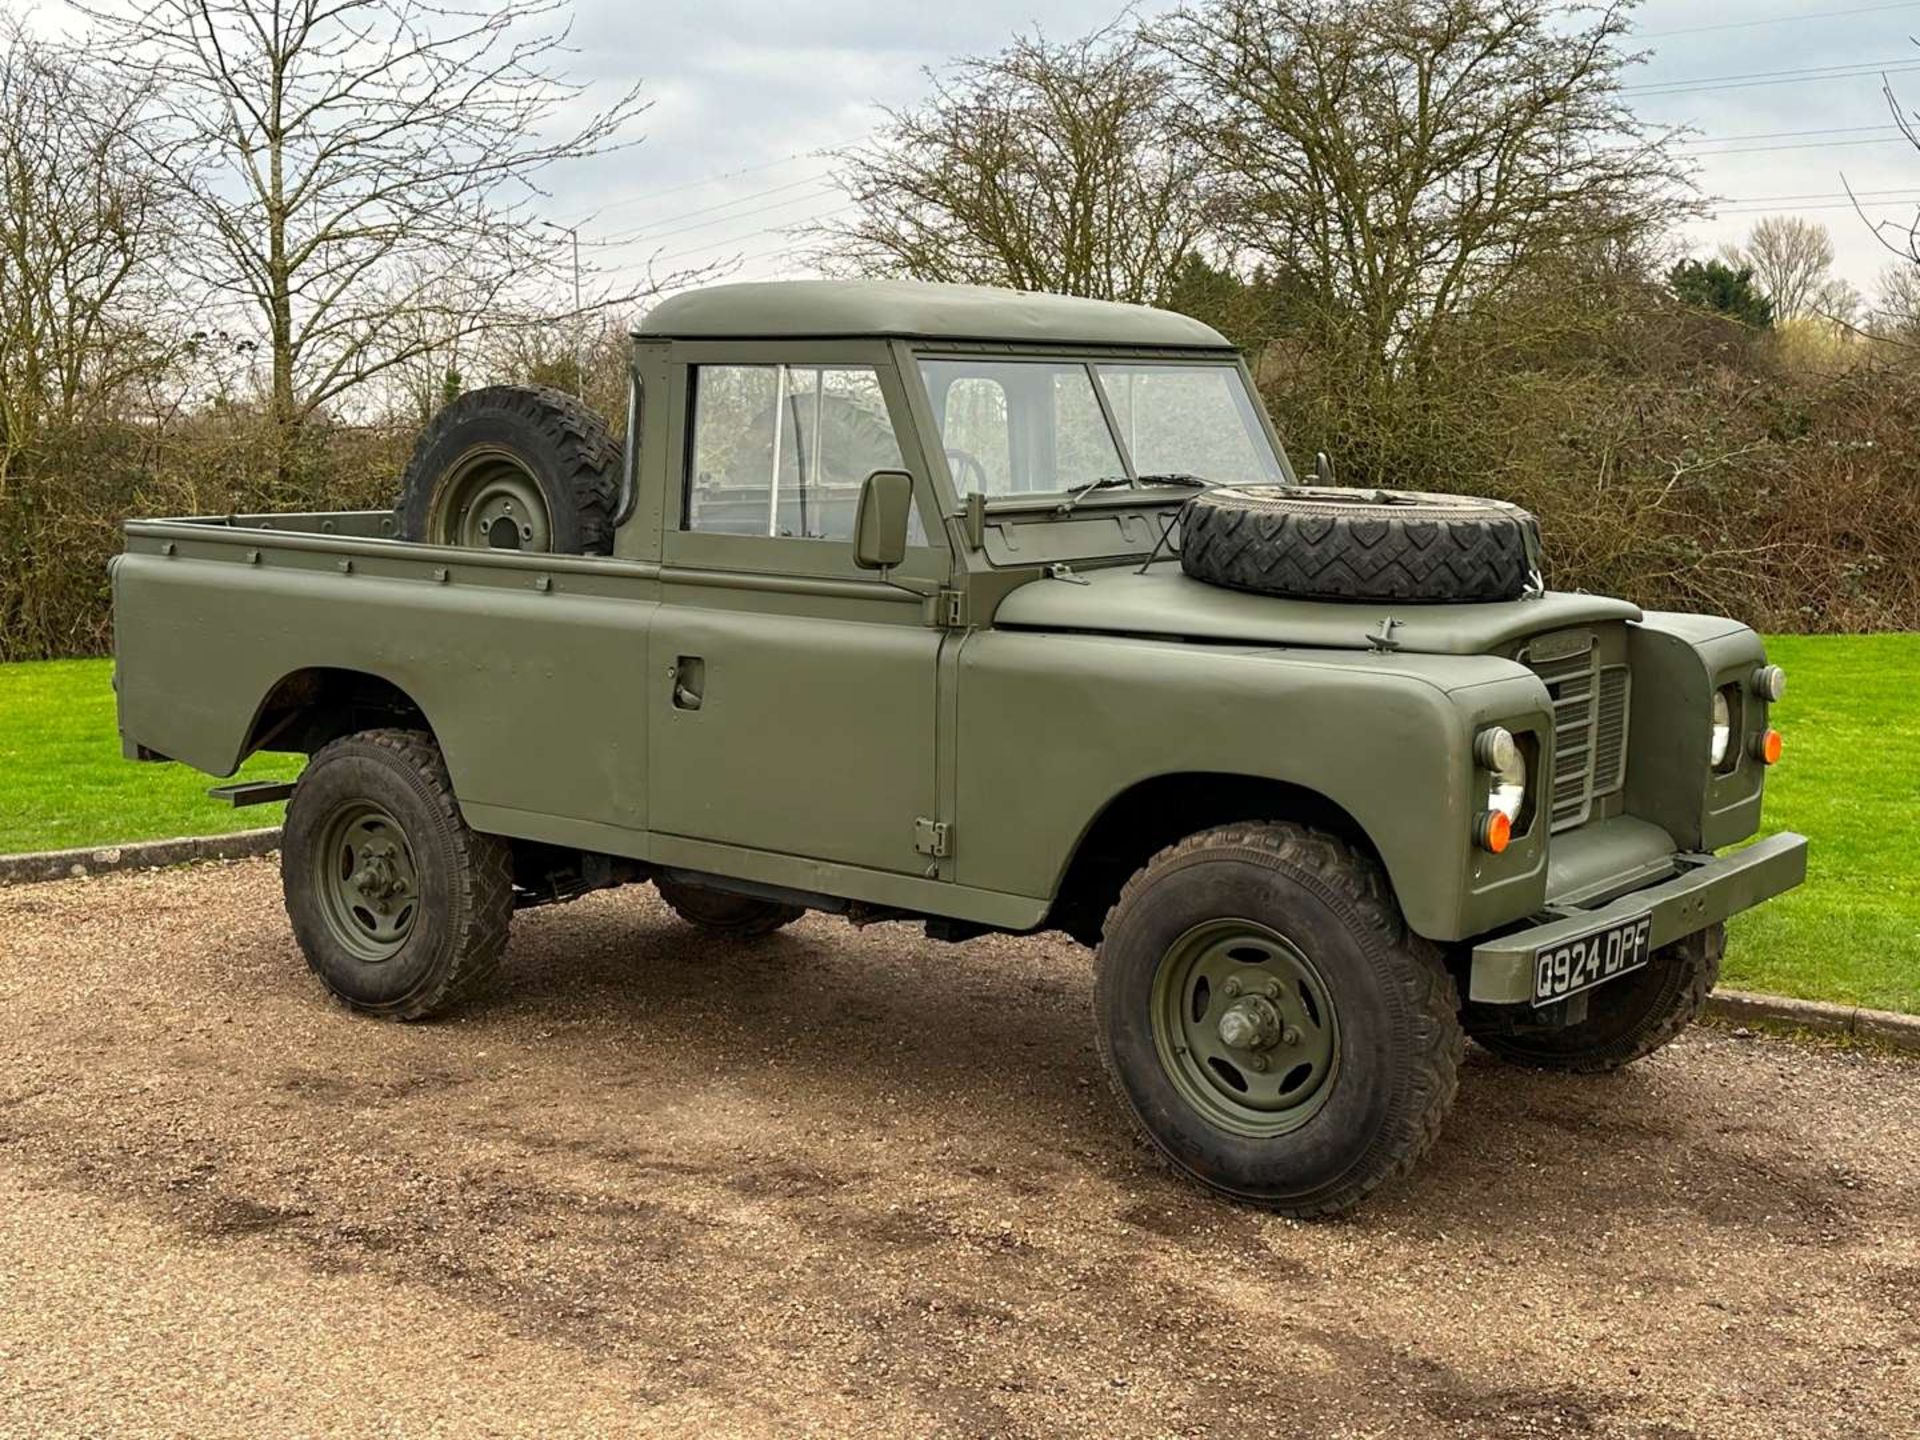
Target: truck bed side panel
537,696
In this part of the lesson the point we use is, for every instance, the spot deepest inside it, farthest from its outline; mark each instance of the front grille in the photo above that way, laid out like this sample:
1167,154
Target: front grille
1610,732
1589,724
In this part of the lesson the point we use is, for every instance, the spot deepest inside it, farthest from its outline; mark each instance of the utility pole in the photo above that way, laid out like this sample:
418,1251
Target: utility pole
579,346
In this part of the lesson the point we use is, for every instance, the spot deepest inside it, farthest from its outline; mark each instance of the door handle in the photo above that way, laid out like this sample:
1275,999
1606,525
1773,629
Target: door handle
688,678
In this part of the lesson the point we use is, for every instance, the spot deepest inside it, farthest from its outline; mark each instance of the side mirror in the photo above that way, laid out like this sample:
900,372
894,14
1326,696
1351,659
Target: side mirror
880,525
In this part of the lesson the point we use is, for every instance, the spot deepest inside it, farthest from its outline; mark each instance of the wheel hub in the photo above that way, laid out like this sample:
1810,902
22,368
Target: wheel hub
490,500
369,888
378,878
1250,1024
1245,1027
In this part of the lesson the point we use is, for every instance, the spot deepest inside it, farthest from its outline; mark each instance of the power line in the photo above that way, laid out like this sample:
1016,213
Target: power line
723,241
1789,134
653,231
1771,77
1894,139
1907,191
1833,205
706,180
1776,20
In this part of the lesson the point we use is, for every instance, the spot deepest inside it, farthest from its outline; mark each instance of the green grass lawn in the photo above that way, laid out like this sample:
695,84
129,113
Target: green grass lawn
1850,780
63,783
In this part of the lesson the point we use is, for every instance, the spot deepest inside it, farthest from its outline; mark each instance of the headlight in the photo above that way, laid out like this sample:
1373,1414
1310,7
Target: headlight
1508,792
1722,727
1499,754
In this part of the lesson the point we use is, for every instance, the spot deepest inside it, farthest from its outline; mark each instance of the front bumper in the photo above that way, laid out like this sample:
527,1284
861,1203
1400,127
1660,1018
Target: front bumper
1706,891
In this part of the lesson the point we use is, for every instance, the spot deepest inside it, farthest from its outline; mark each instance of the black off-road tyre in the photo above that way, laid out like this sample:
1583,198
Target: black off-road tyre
1627,1019
743,917
514,467
462,881
1386,994
1326,543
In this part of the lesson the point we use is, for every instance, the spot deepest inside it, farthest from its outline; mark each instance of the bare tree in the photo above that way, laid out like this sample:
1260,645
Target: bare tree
362,172
1792,262
1896,308
83,224
1406,158
1044,167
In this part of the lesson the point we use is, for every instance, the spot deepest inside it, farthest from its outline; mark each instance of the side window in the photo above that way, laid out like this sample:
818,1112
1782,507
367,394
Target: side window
782,450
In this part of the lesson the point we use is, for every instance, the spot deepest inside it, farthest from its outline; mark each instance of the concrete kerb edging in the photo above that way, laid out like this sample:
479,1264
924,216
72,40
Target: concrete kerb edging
143,854
1778,1012
1739,1007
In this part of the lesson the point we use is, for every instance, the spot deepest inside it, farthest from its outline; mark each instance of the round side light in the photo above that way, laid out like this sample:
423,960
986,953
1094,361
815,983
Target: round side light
1769,682
1496,749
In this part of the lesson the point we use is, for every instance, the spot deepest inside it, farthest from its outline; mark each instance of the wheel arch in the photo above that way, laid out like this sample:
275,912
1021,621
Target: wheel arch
307,707
1153,813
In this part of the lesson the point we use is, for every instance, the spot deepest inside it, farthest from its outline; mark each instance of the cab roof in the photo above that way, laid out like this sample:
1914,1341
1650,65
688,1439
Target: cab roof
911,309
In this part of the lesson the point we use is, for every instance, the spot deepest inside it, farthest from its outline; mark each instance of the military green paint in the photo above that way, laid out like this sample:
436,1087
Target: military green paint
1678,662
810,308
1245,1027
1385,738
765,709
369,888
1165,601
1706,892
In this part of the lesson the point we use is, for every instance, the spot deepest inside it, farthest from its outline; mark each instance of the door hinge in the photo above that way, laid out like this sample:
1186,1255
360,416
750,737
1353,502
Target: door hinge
933,837
950,608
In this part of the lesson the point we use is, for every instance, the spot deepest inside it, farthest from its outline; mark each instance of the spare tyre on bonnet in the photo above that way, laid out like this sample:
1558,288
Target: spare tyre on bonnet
1330,543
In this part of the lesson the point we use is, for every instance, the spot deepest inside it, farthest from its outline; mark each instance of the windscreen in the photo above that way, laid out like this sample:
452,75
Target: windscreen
1192,419
1013,427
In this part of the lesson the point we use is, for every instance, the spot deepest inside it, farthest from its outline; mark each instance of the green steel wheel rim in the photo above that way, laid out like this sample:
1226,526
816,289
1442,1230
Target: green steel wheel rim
490,500
369,885
1245,1027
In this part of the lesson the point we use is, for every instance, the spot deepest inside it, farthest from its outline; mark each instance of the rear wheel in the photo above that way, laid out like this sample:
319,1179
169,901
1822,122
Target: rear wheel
399,908
722,913
1627,1019
1269,1021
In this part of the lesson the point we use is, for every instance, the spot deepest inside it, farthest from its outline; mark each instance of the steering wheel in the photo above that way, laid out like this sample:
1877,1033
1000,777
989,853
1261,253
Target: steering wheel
961,463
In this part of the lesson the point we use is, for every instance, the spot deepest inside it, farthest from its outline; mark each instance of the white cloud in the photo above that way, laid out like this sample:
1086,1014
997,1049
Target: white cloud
758,87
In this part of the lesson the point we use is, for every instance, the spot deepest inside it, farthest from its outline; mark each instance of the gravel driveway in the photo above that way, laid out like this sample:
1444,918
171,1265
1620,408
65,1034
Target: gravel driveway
846,1182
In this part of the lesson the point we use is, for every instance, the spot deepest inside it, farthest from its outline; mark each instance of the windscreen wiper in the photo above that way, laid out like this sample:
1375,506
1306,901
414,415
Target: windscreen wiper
1123,482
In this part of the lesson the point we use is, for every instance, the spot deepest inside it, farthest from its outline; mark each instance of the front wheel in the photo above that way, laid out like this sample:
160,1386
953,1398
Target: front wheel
400,909
1270,1022
1627,1019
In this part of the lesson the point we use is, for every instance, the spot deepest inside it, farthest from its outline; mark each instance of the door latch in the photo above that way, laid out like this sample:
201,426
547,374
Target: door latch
686,679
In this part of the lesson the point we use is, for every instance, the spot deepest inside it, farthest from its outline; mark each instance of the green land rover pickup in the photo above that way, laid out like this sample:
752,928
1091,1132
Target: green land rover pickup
988,612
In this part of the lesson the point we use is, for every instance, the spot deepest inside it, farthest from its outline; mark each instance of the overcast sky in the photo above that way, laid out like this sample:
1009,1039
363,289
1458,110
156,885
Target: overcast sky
746,93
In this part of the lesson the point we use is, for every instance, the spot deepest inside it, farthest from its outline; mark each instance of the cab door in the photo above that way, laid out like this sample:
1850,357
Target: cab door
793,695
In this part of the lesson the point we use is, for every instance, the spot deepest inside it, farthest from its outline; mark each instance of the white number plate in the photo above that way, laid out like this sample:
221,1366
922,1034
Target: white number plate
1570,966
